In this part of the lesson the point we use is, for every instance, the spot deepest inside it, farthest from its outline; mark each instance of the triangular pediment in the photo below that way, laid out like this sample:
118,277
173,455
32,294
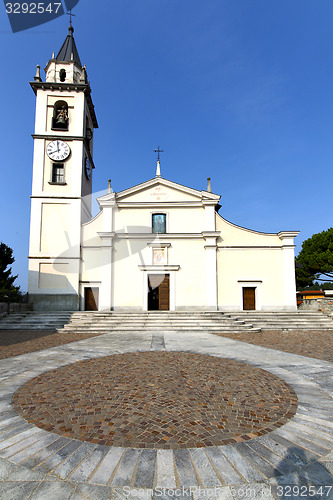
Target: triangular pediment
163,190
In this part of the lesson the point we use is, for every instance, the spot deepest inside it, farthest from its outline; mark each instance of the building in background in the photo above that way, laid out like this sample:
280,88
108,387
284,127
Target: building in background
155,246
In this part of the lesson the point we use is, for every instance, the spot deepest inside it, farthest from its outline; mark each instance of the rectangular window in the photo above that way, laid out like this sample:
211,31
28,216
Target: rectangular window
159,223
58,173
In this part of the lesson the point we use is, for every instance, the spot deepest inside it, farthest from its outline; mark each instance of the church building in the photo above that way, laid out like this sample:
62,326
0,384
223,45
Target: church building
158,245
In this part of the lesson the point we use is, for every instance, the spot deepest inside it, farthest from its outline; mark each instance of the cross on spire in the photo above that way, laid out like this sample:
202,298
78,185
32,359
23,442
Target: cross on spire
158,151
70,16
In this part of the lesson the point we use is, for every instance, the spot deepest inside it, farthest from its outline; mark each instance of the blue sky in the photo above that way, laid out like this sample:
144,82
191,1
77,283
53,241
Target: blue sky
238,90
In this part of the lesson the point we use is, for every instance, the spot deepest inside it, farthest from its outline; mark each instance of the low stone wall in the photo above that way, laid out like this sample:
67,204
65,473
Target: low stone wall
44,302
325,305
14,307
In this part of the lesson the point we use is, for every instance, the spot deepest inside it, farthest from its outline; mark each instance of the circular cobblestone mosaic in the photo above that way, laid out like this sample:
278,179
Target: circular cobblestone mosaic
157,400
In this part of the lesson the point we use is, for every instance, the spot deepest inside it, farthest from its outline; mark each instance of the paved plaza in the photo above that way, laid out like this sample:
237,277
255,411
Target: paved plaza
170,434
166,400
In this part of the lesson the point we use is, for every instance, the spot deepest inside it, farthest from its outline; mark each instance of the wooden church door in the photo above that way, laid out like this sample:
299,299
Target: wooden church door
158,292
91,299
249,299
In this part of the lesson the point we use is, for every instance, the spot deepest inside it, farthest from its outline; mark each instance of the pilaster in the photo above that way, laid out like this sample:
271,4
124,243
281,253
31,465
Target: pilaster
287,248
211,268
105,299
210,219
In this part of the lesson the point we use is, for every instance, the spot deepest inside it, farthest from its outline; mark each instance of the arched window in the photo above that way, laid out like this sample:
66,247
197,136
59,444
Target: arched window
60,116
62,75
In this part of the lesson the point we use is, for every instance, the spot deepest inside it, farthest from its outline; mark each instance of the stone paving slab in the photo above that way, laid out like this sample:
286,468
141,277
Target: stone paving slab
268,456
105,470
146,469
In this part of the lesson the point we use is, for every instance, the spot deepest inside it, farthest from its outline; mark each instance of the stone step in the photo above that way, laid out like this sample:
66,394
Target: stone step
215,322
291,321
139,322
277,315
169,328
31,314
155,321
9,319
218,322
285,316
145,316
31,321
300,320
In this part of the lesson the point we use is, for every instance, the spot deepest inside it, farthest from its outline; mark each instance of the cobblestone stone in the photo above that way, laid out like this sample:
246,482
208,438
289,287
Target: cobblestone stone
312,343
282,450
157,400
13,343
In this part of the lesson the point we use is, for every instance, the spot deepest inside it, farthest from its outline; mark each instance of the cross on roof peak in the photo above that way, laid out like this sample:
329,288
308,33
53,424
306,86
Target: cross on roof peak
69,13
158,151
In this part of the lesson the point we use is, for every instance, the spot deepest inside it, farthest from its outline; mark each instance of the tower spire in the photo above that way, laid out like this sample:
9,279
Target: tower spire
68,51
158,168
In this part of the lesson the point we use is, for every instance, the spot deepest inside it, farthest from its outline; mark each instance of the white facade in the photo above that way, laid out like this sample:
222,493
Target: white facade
209,260
197,260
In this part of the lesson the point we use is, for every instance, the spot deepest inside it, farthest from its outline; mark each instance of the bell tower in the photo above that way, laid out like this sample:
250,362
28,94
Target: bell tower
62,179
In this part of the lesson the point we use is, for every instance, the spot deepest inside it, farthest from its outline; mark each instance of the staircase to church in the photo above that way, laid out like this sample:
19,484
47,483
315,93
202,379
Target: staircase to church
298,320
156,322
32,321
219,322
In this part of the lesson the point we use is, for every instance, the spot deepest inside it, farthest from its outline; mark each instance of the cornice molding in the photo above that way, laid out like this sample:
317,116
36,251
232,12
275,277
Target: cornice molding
105,235
200,195
159,244
210,234
90,282
288,234
250,247
41,257
159,268
249,281
58,134
50,197
159,204
152,236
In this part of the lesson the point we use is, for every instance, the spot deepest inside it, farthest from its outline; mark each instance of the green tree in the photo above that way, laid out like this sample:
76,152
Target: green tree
315,260
8,291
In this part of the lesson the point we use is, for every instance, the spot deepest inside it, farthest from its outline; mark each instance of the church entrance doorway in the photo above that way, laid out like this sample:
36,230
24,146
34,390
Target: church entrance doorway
249,298
158,292
91,299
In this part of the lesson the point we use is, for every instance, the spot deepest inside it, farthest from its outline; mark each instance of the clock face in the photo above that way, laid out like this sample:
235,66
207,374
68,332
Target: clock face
88,168
58,150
